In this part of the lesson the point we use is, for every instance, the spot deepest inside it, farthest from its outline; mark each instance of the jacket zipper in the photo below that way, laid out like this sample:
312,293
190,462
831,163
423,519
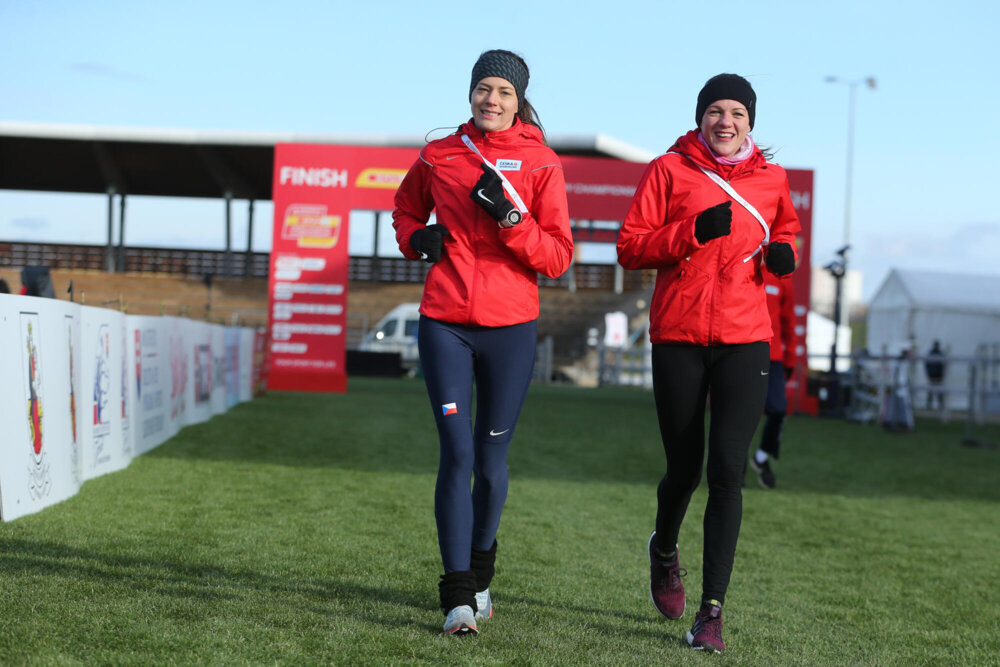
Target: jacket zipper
718,286
475,247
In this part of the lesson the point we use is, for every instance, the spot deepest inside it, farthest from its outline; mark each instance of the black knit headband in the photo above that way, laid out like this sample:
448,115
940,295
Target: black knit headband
495,63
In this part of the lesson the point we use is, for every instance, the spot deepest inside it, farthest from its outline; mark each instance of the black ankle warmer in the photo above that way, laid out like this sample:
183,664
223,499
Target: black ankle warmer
457,589
483,566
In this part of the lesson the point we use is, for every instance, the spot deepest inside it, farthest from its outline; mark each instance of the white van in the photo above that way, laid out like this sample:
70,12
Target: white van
396,332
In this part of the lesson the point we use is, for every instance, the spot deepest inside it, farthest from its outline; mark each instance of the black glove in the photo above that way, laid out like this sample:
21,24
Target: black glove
789,371
713,222
429,242
780,258
488,193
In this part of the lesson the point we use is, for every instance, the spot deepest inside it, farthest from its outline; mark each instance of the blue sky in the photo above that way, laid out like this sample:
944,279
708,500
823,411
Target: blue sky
925,139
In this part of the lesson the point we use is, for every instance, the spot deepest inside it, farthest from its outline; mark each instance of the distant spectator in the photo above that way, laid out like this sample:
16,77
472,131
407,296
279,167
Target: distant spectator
897,409
934,366
4,287
36,281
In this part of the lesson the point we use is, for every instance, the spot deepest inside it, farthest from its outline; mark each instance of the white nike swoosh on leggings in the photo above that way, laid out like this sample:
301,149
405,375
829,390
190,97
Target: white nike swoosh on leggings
763,372
496,433
480,193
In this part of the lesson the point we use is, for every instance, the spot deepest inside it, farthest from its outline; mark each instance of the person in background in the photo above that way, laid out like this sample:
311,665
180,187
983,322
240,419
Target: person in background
710,216
499,195
934,368
4,287
781,308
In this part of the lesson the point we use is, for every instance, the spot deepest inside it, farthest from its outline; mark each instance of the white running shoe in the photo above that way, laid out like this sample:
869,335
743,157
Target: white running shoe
484,605
460,621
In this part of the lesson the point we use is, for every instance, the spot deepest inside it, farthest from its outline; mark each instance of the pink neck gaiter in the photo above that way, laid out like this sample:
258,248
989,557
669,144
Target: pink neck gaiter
745,151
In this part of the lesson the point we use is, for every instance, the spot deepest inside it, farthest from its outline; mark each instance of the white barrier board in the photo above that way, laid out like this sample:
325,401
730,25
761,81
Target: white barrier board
104,450
40,403
83,390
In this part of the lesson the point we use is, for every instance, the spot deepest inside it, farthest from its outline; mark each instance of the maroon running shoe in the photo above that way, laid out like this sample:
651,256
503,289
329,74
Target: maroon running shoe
665,587
706,633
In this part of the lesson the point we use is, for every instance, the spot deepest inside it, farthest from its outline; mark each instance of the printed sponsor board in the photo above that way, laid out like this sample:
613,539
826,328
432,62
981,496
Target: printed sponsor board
217,334
232,358
39,344
246,373
103,449
151,381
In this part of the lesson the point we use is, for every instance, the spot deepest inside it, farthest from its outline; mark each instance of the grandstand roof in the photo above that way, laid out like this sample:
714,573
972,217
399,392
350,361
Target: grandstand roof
192,163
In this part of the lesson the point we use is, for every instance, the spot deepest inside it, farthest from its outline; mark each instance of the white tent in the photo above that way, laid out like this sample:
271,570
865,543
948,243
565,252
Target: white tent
819,343
912,309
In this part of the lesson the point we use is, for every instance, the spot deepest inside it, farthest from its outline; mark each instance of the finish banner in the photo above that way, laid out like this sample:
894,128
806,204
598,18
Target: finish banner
315,189
800,185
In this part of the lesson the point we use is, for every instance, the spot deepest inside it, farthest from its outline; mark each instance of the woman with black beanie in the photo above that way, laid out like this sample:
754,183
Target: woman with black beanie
710,216
499,197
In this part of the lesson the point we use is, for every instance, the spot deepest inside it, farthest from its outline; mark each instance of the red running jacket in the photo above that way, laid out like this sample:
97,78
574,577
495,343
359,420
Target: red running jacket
705,294
487,276
781,309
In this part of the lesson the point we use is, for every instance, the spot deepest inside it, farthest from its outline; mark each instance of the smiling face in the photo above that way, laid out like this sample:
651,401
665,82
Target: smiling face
494,104
725,126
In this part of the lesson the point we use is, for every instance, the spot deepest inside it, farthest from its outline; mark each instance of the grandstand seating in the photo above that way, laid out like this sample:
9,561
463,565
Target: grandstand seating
179,289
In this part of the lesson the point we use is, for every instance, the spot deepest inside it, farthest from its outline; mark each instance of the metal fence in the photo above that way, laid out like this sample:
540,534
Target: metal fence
219,263
970,389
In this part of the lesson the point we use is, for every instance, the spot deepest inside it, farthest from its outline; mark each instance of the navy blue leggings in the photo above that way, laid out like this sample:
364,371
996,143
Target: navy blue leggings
500,360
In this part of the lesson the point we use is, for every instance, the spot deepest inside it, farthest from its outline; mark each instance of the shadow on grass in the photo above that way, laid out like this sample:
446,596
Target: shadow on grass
210,583
574,434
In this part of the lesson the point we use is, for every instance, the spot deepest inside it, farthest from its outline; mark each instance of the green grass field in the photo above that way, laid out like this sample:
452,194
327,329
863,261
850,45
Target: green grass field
299,529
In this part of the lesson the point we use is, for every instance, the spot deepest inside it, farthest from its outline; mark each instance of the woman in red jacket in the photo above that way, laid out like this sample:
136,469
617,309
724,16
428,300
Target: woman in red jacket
781,309
691,220
499,197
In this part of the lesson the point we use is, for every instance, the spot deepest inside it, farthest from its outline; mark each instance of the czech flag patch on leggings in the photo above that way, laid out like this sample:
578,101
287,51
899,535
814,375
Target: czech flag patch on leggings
449,409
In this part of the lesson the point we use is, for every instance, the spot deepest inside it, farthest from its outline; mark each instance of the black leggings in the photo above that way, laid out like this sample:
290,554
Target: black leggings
683,375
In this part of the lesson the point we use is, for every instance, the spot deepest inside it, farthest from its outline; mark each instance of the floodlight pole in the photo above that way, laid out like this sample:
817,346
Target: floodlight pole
852,96
839,268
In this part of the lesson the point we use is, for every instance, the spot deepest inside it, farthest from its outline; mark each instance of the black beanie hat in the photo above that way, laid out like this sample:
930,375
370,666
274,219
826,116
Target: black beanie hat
504,65
726,87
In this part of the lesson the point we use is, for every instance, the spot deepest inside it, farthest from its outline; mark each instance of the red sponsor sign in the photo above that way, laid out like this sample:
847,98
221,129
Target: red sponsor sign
315,189
800,184
600,188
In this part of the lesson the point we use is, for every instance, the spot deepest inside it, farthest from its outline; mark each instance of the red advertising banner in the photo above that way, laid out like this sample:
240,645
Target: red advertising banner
599,189
315,188
800,183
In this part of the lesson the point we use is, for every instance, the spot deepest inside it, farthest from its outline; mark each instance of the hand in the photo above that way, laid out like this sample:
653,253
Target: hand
789,371
489,194
713,222
780,258
429,242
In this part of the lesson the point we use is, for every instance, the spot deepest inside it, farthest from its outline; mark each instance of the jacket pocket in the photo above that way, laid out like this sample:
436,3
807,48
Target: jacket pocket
686,297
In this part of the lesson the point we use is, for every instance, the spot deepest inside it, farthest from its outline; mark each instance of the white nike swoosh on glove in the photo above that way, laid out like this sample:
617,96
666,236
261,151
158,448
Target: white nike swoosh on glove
480,193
